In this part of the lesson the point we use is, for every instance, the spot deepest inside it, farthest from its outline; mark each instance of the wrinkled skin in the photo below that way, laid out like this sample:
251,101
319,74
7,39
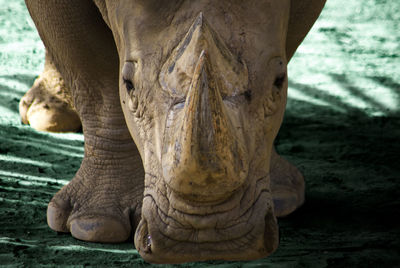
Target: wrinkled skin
202,93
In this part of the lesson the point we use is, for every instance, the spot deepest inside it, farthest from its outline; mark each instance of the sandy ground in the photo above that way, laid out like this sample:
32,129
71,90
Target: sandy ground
342,129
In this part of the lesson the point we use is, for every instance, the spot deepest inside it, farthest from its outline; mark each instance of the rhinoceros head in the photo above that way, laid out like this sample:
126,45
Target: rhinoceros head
203,89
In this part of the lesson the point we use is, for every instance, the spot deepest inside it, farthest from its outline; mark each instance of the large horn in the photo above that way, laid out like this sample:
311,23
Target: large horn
206,159
203,155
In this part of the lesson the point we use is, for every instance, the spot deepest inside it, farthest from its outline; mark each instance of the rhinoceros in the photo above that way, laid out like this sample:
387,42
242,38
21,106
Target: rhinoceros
180,103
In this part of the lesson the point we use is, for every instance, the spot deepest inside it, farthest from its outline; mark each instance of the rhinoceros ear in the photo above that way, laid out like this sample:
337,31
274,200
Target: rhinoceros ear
303,14
102,6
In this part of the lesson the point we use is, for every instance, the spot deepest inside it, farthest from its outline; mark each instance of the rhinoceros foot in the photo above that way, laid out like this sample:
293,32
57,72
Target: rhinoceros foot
95,208
47,106
287,186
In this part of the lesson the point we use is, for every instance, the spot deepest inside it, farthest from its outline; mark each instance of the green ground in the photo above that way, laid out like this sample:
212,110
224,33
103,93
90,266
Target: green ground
342,130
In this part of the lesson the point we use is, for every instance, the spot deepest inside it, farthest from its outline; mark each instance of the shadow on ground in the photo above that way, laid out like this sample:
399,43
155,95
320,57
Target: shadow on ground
348,220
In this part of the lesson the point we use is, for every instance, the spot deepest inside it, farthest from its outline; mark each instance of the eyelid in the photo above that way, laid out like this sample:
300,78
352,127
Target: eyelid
128,70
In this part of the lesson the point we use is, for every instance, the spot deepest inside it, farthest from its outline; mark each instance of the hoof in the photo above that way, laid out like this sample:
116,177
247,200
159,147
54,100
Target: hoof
57,215
99,229
92,229
90,211
88,227
47,106
54,119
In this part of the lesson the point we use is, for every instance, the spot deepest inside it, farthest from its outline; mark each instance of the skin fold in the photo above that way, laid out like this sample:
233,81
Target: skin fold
180,103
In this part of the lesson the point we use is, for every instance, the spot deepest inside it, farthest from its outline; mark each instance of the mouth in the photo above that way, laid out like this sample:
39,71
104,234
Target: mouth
173,230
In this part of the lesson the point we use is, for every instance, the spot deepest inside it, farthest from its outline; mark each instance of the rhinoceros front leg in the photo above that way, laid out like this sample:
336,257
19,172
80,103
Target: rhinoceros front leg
47,106
101,201
287,183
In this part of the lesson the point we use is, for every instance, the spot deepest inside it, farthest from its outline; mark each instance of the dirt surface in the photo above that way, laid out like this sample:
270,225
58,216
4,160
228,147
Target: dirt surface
342,129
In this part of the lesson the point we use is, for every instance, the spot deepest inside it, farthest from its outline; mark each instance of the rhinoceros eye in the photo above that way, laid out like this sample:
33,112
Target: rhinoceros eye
129,85
279,80
128,72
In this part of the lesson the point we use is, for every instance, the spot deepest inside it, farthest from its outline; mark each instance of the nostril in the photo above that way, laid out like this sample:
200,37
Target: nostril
143,239
148,244
279,81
